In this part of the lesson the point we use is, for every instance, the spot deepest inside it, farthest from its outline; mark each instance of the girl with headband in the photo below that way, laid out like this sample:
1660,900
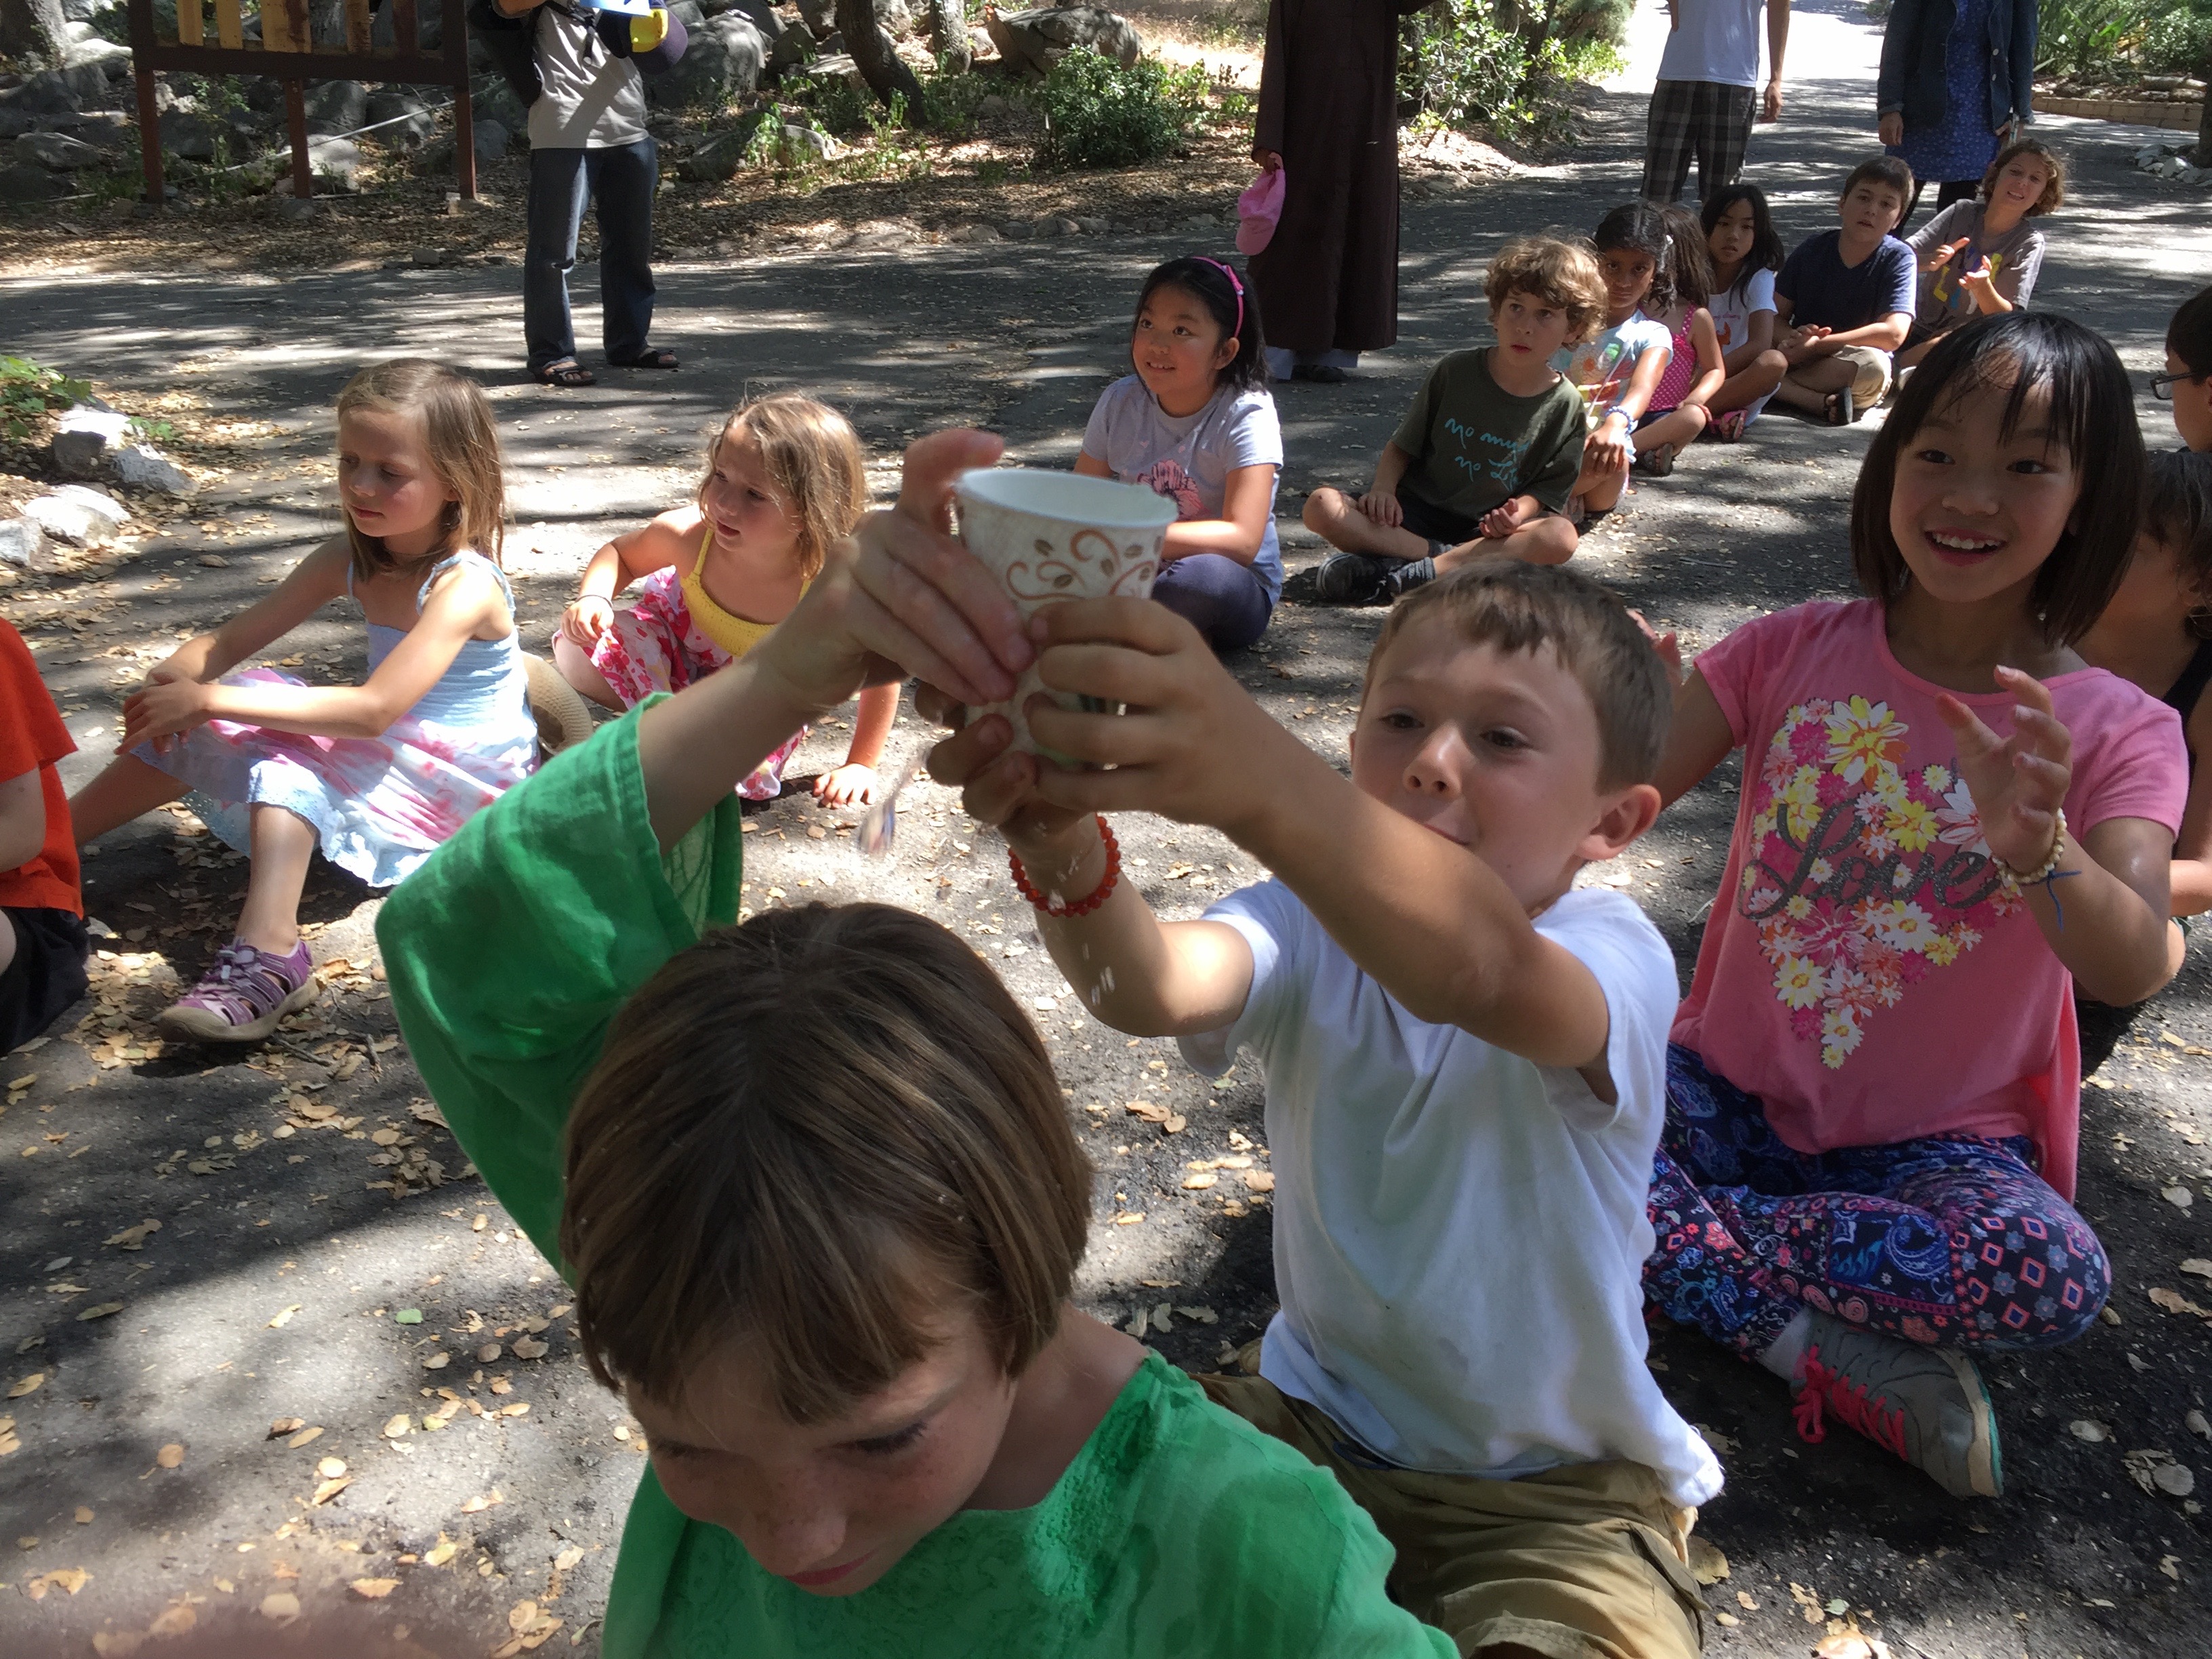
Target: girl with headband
1196,424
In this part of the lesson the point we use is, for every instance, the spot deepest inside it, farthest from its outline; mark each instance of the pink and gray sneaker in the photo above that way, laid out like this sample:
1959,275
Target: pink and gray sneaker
242,996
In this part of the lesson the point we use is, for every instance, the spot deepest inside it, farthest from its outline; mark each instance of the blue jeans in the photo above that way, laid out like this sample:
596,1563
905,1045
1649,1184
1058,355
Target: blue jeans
622,181
1221,598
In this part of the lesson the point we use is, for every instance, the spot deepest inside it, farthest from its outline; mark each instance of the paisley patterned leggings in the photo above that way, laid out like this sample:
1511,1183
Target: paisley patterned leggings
1953,1240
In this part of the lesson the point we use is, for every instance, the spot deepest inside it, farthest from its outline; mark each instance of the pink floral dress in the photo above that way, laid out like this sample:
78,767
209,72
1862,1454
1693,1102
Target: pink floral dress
379,805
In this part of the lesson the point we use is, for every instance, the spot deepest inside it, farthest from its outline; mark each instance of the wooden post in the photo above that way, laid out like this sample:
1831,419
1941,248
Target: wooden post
464,143
357,24
189,25
406,30
275,27
296,117
230,26
150,136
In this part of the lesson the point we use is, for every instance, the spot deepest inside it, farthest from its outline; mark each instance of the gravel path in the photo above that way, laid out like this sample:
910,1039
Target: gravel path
287,1278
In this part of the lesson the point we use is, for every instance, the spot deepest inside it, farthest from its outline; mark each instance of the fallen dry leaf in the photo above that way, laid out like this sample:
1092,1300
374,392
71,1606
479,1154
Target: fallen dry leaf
330,1489
73,1579
101,1312
400,1424
1721,1445
441,1552
1706,1561
30,1384
529,1348
1260,1181
1200,1182
1743,1600
519,1408
2088,1428
305,1436
284,1317
566,1558
331,1468
477,1505
134,1238
281,1605
83,1515
174,1621
114,1644
1129,1219
2198,1265
171,1456
1847,1644
284,1425
373,1589
488,1353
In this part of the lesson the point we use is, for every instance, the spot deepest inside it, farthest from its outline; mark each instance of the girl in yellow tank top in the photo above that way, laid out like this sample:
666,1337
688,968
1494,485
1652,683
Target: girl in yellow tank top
784,479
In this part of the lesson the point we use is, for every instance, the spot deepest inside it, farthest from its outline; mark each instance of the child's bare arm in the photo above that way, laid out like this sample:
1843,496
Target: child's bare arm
310,584
1429,921
2192,879
856,783
1713,371
22,819
1698,739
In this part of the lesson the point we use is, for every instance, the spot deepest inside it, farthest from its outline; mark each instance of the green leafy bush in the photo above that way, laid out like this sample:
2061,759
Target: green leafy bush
2085,36
29,390
1499,62
2179,43
1098,114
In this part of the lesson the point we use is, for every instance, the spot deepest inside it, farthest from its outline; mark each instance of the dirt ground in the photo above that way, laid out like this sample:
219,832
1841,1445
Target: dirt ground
324,1256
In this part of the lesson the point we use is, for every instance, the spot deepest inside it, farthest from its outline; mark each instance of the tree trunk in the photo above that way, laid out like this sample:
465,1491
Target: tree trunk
948,35
34,30
879,66
2203,120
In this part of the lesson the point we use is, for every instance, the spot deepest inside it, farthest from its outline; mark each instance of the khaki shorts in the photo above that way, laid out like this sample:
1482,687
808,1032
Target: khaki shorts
1586,1562
1872,369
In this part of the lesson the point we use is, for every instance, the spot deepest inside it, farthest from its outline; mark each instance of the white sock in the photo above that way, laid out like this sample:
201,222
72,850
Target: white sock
1787,1349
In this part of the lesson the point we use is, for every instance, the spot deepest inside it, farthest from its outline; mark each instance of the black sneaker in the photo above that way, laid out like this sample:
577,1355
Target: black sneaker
1353,579
1414,573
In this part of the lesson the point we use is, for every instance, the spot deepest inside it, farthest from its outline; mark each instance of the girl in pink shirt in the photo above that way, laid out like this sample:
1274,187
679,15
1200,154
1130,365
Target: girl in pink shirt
1874,1092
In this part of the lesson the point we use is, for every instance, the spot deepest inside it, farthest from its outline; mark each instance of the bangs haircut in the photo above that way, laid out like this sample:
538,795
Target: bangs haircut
2023,353
460,439
824,1134
1561,274
1516,607
2178,512
2034,149
1640,228
812,456
1228,299
1893,171
1767,253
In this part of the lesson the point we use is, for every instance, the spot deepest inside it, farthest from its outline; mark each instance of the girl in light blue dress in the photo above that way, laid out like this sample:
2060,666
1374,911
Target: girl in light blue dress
377,775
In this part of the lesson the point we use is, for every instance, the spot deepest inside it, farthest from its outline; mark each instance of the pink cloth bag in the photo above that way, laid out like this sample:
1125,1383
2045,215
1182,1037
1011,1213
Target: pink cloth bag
1257,210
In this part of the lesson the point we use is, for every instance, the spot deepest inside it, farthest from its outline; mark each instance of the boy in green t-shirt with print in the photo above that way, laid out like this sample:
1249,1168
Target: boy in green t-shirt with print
1483,463
814,1184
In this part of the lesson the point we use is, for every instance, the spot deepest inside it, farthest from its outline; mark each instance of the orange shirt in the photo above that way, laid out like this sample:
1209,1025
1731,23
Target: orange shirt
32,738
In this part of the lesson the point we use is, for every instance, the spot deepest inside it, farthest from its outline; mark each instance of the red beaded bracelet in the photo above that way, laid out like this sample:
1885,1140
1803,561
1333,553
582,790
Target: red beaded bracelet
1055,905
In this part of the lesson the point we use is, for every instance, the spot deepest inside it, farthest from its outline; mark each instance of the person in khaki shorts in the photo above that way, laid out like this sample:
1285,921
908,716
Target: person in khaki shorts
1844,300
1465,1059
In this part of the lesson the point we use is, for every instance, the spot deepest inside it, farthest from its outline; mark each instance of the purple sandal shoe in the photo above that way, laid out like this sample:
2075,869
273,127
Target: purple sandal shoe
244,994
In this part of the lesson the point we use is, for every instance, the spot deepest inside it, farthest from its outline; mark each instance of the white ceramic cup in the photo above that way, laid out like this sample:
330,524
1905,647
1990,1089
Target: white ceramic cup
1051,536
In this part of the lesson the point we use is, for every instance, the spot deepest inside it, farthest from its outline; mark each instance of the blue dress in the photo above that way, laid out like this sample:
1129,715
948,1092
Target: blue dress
379,805
1965,142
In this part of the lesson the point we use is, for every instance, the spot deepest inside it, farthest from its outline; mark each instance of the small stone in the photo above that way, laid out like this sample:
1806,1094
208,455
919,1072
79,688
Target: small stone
56,150
22,543
2174,1479
86,439
27,181
142,466
77,514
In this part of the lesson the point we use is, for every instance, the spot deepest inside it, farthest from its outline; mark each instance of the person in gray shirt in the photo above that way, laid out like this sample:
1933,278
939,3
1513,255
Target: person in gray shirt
588,138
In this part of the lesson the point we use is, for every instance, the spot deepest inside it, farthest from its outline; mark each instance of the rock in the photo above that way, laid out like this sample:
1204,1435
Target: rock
335,106
86,439
82,11
976,232
334,162
142,466
413,122
490,98
78,514
105,55
879,234
22,543
724,59
771,28
1091,226
188,133
805,144
491,140
792,49
14,123
27,181
63,91
56,150
103,129
838,66
1031,42
297,208
819,15
721,156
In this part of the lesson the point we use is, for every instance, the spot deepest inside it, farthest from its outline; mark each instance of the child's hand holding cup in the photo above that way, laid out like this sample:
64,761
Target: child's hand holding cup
1051,536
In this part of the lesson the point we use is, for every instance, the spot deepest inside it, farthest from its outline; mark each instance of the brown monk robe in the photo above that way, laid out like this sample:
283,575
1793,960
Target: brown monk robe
1328,282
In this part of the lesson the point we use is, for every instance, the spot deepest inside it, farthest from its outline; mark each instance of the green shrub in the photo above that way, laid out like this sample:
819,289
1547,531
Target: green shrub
2180,43
2084,38
1500,62
28,390
1098,114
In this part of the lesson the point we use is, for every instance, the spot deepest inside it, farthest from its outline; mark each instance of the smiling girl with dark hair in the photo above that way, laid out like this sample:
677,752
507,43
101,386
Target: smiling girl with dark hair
1948,820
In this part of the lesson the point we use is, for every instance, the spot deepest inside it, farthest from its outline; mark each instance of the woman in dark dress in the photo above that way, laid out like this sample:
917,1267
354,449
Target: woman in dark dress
1957,77
1328,281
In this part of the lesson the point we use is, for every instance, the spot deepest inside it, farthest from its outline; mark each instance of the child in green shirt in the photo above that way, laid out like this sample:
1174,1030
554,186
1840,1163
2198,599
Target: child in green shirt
814,1184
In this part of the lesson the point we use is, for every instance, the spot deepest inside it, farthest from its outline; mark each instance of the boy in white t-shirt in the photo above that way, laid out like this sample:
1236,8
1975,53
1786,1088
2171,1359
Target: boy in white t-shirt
1465,1064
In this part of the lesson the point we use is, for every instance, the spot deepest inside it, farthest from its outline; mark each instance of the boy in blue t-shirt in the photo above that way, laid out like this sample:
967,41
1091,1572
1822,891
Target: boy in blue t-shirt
1844,299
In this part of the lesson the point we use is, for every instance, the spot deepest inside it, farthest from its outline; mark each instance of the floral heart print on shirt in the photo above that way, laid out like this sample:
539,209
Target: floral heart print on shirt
1862,879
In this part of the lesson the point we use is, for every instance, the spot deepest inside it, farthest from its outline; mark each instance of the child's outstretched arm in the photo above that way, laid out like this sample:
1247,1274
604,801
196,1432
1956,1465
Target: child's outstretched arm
619,563
462,604
1248,496
1432,923
2102,905
307,588
855,782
